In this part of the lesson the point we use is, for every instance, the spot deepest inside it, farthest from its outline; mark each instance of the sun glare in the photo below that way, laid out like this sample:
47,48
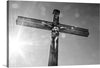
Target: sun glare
15,46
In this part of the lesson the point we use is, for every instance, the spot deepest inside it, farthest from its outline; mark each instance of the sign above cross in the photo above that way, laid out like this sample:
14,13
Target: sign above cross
55,28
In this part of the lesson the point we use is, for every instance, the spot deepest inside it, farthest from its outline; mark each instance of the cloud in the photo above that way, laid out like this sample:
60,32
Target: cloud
43,10
61,15
63,35
15,6
77,15
67,7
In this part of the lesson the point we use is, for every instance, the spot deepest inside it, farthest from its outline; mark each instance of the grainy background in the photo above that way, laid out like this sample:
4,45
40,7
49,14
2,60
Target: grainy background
35,43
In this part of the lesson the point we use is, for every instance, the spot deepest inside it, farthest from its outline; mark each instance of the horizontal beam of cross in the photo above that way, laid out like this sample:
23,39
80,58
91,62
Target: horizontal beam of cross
42,24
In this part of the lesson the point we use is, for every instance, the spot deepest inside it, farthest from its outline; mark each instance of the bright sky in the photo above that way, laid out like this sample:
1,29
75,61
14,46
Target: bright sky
30,46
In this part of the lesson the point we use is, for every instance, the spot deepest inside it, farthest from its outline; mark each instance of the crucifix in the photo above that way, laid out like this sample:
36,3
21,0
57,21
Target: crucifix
55,28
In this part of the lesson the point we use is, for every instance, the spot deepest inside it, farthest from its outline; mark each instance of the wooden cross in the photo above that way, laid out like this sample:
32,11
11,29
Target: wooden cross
55,28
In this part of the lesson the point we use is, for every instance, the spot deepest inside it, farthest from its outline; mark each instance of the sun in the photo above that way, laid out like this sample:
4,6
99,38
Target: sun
15,46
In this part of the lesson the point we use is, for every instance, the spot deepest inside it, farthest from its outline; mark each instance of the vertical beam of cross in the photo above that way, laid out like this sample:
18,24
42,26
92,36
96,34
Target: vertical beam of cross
53,57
